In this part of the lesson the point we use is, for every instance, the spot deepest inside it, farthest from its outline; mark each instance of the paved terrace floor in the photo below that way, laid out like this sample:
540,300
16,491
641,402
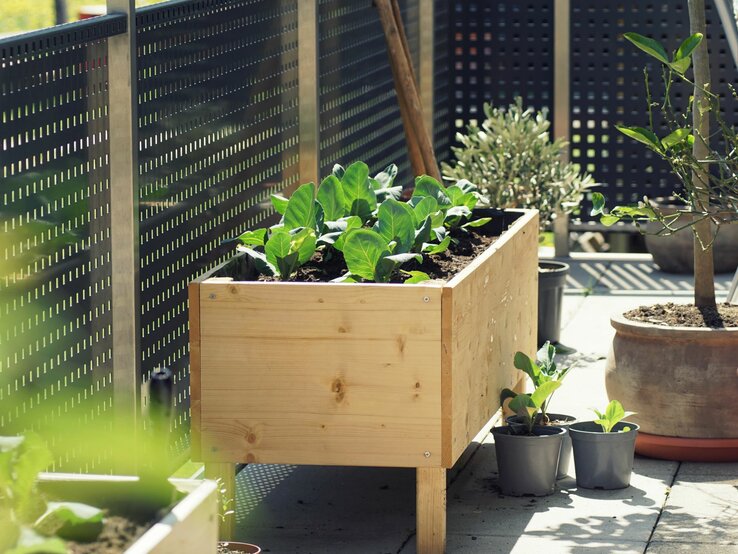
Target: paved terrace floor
670,507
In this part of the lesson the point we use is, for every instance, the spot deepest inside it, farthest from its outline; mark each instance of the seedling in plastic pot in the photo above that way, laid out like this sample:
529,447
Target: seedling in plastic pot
543,370
527,406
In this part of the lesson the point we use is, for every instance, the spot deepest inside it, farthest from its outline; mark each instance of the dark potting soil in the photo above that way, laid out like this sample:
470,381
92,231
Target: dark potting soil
686,315
118,533
438,266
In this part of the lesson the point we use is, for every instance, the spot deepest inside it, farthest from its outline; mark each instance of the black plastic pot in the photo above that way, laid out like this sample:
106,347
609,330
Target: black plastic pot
551,283
528,463
603,460
558,420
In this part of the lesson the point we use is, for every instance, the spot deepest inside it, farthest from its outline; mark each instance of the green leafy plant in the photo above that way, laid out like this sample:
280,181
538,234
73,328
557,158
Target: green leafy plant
541,371
515,164
369,256
28,524
528,405
612,415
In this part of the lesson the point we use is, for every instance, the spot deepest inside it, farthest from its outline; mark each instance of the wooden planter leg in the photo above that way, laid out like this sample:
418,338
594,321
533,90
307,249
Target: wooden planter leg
226,472
431,510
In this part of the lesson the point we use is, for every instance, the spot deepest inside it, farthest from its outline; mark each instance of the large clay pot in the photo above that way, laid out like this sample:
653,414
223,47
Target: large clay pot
675,253
681,381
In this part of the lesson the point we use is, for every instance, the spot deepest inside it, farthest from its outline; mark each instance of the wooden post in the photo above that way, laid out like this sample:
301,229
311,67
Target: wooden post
226,473
422,156
431,510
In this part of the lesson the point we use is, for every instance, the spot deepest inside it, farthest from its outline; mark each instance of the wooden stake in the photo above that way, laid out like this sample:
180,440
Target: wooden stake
431,510
422,156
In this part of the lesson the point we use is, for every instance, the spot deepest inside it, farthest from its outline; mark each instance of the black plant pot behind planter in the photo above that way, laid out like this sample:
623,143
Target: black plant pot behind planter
603,460
557,420
527,464
551,283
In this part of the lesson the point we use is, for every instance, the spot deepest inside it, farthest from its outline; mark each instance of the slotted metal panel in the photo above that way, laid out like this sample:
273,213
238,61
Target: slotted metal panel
218,133
55,319
359,114
500,49
607,88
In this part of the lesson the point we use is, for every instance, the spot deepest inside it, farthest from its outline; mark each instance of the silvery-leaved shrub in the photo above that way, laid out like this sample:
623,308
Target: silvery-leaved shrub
512,160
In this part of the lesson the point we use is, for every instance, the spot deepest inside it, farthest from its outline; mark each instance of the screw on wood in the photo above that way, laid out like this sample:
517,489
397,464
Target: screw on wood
426,454
426,299
212,296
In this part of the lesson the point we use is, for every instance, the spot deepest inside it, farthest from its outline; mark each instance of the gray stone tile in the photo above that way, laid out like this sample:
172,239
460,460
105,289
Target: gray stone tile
693,548
479,544
693,469
700,511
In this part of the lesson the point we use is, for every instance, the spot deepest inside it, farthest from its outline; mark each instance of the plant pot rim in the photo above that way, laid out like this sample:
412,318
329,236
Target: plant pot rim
668,332
555,417
555,266
539,431
576,428
235,545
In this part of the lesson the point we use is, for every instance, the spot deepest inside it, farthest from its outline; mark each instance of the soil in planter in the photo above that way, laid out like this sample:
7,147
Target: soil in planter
118,533
439,266
686,315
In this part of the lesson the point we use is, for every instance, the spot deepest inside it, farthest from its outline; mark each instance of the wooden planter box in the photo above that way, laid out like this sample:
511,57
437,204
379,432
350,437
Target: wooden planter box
191,527
361,374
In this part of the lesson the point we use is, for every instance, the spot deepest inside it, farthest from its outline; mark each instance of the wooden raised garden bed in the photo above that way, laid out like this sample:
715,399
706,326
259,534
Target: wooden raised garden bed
360,374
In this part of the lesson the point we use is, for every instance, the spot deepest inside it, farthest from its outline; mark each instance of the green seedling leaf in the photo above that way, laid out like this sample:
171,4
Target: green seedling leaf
688,46
643,136
390,192
477,222
352,222
466,186
428,186
358,193
608,219
430,248
278,247
31,542
415,277
531,369
331,199
32,457
304,243
676,137
598,204
280,203
424,207
253,238
422,234
386,178
539,396
363,250
301,210
613,414
259,259
345,278
396,221
338,171
649,46
681,66
71,521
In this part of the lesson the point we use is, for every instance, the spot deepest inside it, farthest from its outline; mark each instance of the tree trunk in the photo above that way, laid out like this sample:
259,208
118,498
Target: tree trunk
60,11
704,274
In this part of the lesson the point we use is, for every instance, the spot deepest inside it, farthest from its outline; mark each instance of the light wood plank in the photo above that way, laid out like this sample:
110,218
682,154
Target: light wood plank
321,374
489,313
193,294
225,475
431,510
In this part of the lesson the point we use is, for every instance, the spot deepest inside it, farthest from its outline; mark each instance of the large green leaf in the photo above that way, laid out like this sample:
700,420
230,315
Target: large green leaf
423,233
352,222
396,221
437,248
260,261
428,186
363,250
543,391
649,46
524,363
280,203
330,196
301,208
71,521
359,197
304,243
415,277
644,136
425,206
385,178
254,238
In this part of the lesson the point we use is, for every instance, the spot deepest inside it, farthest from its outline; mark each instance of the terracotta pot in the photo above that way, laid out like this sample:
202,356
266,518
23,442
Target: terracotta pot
244,547
674,253
681,381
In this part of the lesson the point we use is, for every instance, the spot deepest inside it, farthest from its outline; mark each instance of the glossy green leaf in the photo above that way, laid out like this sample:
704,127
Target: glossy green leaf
649,46
280,203
415,277
259,259
331,199
598,204
278,246
254,238
301,210
525,364
676,137
304,243
613,414
71,521
424,206
608,220
422,233
359,196
386,178
644,136
542,392
428,186
352,222
363,250
681,66
688,46
396,221
480,222
437,248
338,171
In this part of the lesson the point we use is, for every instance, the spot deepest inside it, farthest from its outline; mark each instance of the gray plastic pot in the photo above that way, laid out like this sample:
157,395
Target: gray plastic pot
527,463
551,283
559,420
603,460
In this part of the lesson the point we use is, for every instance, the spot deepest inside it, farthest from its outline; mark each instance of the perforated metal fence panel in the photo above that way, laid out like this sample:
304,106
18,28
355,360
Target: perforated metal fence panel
218,131
359,115
607,88
500,49
55,274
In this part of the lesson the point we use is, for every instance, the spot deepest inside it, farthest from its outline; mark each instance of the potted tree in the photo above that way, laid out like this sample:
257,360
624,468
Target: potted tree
604,448
543,371
391,363
528,453
693,346
515,163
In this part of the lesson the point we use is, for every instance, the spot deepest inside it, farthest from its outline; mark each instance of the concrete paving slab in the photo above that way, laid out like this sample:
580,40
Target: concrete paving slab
689,469
700,510
692,548
473,544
